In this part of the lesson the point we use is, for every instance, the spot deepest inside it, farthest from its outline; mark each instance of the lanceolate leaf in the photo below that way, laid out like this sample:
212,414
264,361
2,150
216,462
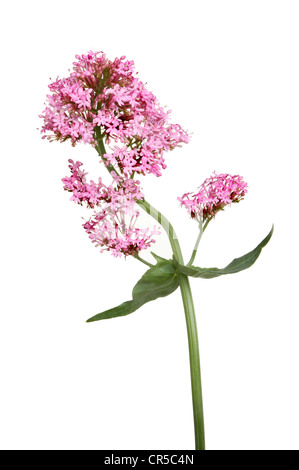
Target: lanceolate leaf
159,281
238,264
158,258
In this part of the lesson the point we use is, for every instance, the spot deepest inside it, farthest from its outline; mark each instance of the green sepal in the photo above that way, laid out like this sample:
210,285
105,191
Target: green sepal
237,265
159,281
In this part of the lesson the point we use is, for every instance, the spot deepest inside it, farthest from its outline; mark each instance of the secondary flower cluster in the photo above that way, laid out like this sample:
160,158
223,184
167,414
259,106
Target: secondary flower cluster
213,195
113,225
113,232
105,96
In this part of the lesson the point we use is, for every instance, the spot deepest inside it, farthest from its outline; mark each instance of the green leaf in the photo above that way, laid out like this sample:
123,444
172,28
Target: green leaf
159,281
158,258
238,264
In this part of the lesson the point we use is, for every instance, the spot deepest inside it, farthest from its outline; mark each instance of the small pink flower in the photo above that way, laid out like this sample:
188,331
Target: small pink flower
213,195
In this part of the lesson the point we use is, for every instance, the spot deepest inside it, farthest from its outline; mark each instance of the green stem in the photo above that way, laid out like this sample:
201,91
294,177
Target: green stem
164,222
202,229
191,327
143,261
100,147
196,244
188,308
206,224
194,362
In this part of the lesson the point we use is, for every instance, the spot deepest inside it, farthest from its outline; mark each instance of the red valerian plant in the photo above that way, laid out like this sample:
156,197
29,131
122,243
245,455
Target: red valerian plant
103,103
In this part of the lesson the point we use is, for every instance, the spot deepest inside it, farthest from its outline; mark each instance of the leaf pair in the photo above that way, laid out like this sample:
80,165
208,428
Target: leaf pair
163,279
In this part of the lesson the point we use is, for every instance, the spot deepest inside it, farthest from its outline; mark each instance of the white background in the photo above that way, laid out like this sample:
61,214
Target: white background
229,71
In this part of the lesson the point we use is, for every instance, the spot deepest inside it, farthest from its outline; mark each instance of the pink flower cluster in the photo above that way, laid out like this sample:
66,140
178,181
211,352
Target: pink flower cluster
213,195
112,232
113,226
103,95
124,195
101,101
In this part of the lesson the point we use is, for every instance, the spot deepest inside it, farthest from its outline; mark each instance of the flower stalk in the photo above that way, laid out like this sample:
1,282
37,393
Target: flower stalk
186,293
189,309
194,358
202,228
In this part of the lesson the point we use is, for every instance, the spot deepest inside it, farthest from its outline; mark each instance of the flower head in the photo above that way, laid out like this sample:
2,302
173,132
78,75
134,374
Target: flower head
213,195
114,225
105,96
112,232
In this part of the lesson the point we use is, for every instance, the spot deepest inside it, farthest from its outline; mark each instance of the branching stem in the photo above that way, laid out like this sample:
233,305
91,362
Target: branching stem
187,302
